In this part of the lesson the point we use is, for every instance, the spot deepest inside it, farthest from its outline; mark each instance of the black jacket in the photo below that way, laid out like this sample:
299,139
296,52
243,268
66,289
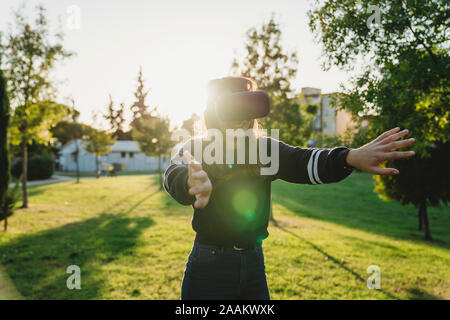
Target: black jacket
239,207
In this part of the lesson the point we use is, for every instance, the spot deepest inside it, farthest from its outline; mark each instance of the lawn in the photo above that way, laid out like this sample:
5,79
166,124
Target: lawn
131,242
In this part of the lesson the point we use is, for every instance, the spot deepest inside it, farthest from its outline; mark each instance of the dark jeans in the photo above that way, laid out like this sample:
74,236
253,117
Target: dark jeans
223,273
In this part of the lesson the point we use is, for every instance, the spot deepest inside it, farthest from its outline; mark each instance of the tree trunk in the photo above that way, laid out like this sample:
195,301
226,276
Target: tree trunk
96,167
160,173
5,225
271,211
24,174
77,163
420,220
426,226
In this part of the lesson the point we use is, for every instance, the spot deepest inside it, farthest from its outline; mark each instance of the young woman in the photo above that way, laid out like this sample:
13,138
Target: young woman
232,202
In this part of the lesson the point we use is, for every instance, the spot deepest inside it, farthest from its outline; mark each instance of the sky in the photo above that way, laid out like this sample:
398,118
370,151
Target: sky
180,45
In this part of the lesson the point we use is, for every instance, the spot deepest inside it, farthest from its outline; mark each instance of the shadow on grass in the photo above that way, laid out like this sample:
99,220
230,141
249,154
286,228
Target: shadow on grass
352,203
332,259
37,263
420,294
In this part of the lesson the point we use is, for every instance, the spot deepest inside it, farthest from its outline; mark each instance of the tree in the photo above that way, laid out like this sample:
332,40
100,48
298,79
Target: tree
5,202
28,56
116,119
98,142
70,129
404,83
273,69
190,124
154,138
139,107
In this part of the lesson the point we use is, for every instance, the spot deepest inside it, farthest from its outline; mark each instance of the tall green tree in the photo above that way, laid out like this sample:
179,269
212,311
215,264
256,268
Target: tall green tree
5,175
404,81
98,142
139,107
154,138
274,69
29,54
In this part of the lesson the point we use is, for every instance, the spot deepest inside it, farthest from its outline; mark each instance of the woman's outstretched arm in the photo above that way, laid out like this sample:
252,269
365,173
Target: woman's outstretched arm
317,166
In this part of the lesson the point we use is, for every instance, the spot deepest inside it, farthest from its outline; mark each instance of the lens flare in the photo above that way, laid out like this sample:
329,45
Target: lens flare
245,203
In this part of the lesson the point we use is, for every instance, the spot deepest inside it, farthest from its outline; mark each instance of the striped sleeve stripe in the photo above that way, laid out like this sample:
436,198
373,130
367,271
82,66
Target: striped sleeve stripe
316,165
313,167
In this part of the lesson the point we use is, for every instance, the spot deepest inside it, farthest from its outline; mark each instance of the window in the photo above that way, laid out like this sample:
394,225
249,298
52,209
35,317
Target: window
131,154
326,113
123,154
325,124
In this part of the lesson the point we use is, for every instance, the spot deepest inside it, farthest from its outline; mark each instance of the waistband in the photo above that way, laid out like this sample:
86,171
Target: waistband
236,245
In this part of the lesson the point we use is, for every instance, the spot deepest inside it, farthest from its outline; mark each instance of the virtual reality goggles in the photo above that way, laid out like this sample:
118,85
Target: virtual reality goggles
244,105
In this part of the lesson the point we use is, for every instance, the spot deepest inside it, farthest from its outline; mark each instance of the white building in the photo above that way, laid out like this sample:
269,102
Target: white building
124,152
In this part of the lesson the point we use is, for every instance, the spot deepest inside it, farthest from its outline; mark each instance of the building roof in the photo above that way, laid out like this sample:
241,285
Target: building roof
119,146
125,146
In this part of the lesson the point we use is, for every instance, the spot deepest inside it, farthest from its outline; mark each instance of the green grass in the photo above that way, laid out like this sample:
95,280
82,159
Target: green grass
132,241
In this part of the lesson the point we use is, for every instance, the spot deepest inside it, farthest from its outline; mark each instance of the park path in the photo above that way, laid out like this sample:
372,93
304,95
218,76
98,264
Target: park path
60,178
8,290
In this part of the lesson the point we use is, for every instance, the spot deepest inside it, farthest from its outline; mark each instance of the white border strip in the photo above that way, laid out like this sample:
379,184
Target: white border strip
316,165
309,167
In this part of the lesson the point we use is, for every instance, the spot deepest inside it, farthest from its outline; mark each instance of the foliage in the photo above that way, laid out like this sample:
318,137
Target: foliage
154,137
139,108
191,124
116,119
404,82
66,131
5,209
40,167
273,69
98,142
28,56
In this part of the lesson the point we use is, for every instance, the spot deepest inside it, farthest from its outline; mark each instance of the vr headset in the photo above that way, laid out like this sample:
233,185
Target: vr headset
244,105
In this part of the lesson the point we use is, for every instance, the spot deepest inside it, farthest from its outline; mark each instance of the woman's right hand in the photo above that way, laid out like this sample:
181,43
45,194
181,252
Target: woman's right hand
198,182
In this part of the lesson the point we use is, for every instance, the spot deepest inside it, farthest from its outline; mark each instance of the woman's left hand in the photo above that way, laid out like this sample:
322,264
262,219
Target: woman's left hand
369,157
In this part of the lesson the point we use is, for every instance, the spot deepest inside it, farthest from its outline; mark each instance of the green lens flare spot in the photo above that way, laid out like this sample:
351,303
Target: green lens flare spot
230,166
245,203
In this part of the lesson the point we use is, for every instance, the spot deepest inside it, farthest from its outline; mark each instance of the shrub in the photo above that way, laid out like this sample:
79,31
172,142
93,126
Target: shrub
40,167
7,208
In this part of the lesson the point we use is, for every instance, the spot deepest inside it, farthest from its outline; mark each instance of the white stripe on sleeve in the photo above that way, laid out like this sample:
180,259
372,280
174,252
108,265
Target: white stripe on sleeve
316,165
310,167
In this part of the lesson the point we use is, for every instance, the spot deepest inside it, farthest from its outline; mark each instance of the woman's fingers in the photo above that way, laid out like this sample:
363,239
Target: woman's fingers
384,171
200,175
201,188
386,134
398,155
201,202
193,165
394,136
399,144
